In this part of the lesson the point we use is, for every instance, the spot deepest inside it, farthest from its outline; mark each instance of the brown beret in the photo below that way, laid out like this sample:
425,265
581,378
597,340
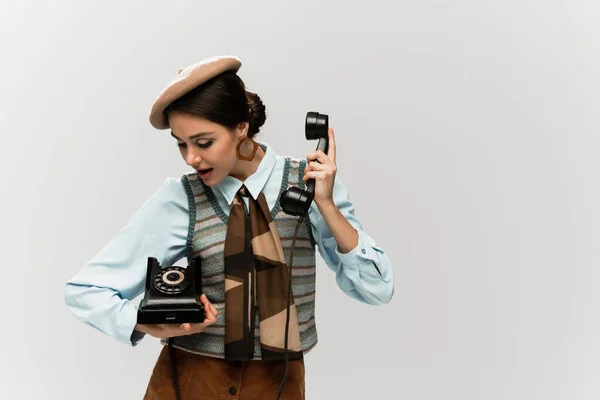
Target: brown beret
188,79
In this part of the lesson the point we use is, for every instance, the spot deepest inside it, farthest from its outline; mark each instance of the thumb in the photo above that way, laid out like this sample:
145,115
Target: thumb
185,326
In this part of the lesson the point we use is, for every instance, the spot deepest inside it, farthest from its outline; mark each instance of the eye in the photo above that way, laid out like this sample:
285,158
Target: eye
180,145
205,145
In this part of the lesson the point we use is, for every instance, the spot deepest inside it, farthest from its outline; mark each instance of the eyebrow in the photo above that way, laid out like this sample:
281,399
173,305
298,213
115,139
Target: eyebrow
195,136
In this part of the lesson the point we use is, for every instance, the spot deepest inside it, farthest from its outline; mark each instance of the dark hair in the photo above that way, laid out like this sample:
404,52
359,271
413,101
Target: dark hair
224,100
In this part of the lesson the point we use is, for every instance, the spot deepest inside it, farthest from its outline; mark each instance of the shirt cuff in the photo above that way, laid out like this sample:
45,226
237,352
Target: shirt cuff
127,321
363,256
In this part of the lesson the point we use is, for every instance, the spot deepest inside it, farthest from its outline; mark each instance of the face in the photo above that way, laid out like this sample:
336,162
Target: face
207,147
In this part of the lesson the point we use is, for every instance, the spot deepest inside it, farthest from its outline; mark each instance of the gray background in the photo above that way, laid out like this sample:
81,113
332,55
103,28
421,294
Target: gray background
465,136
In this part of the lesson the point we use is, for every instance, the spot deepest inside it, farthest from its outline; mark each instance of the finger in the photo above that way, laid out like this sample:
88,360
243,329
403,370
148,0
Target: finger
331,152
315,166
319,156
316,175
186,326
209,309
203,299
214,310
212,317
209,320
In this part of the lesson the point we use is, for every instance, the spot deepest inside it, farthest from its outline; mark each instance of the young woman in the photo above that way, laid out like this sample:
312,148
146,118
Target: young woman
227,212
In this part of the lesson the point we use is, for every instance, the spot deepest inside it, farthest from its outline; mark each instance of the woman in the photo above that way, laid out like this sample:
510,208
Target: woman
229,204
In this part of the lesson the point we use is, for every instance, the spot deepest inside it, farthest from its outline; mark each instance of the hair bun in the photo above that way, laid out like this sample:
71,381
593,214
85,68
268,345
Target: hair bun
258,113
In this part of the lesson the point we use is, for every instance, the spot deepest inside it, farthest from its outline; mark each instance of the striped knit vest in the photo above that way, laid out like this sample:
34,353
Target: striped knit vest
206,239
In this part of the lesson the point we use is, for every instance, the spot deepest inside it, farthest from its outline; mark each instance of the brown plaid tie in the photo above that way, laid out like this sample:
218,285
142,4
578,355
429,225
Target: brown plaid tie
256,276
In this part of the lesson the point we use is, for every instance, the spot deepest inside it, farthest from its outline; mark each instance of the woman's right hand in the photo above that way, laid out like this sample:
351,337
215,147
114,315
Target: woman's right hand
170,330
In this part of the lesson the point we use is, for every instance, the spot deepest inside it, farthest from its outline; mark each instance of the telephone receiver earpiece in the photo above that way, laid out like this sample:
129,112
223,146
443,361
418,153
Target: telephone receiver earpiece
294,200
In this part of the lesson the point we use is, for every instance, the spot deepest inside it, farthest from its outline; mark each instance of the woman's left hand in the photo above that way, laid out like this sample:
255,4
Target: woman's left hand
323,172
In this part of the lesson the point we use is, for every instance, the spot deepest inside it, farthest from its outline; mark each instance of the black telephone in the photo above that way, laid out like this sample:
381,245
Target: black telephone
295,201
172,293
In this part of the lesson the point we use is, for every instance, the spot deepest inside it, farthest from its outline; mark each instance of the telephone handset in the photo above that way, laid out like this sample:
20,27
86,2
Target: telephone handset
295,201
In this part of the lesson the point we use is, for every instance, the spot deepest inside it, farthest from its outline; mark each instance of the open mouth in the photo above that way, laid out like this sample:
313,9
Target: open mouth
204,172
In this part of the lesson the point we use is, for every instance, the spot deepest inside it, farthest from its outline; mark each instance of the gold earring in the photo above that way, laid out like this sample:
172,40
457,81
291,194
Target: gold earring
251,156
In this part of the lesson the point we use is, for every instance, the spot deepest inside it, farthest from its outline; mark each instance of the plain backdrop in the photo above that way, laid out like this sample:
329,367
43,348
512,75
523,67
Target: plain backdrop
467,135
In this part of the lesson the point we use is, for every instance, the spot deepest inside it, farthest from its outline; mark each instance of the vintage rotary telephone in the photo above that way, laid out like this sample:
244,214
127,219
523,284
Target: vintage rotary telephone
296,201
172,294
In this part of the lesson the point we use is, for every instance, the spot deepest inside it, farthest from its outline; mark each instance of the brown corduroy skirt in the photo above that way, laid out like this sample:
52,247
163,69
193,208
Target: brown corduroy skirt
201,377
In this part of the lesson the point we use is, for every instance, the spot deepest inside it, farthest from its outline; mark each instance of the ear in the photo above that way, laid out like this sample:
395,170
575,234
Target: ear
241,131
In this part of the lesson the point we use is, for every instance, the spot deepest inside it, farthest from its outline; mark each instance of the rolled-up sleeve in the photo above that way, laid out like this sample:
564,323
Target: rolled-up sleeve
364,273
100,293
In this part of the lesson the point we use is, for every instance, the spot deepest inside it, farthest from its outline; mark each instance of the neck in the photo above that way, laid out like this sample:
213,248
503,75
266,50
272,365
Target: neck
243,169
